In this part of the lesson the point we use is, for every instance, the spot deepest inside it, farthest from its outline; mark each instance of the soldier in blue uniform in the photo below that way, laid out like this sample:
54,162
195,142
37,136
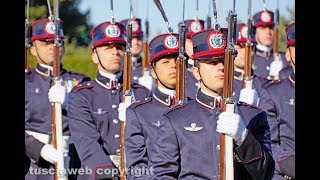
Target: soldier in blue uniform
143,118
263,22
278,100
93,106
136,49
188,141
38,98
192,26
250,94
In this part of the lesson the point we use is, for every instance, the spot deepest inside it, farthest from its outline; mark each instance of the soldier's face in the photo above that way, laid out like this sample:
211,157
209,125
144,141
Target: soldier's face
44,51
165,68
189,47
111,57
211,73
290,55
137,46
239,61
264,35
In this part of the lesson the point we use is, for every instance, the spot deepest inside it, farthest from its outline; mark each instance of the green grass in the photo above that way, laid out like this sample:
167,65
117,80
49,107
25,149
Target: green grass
77,59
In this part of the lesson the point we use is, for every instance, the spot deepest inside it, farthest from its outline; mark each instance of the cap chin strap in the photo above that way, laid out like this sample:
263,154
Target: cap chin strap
201,80
160,80
95,50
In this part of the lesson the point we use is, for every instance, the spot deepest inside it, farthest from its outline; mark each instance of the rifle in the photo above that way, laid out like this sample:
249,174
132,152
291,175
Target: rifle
208,20
127,95
226,142
145,58
181,62
158,3
57,131
276,53
27,43
248,52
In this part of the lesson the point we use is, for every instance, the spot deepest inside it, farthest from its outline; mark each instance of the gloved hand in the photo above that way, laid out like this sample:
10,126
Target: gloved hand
146,80
122,111
275,68
249,96
49,153
57,93
232,125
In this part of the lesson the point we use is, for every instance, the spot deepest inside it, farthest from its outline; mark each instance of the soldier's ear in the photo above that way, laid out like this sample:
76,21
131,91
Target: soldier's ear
94,57
288,55
153,73
195,71
33,50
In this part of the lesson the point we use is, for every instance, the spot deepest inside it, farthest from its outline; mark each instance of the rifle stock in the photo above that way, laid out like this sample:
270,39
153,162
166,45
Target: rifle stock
145,58
126,97
248,53
226,143
27,45
181,65
57,130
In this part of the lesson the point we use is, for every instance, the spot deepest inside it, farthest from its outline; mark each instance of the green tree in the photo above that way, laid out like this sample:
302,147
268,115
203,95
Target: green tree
75,23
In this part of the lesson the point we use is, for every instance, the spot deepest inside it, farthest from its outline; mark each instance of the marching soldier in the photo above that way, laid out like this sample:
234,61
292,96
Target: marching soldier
263,22
278,100
247,95
192,26
38,121
94,105
188,141
143,118
136,49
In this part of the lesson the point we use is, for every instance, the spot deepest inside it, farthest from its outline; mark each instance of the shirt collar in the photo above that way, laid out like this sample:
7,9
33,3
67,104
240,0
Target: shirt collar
164,96
207,100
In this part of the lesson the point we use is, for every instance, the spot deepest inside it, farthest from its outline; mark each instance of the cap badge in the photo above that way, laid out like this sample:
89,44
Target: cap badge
171,42
216,40
265,17
50,28
135,25
244,32
112,31
195,26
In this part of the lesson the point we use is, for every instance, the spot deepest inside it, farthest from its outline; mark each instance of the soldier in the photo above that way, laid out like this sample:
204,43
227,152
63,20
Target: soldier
193,26
263,22
136,49
278,100
93,105
143,117
38,121
187,143
247,95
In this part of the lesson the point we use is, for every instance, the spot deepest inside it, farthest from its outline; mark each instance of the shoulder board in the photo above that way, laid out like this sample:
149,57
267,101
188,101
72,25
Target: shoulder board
175,107
141,102
84,85
29,75
248,105
190,99
269,83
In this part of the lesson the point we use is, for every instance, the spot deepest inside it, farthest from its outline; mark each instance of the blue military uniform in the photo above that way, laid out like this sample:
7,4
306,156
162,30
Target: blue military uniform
143,118
192,26
38,120
263,57
136,32
241,38
278,100
93,112
188,145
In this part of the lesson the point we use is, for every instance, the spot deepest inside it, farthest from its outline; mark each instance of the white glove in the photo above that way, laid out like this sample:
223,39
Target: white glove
49,153
249,96
275,68
57,93
231,124
146,80
122,111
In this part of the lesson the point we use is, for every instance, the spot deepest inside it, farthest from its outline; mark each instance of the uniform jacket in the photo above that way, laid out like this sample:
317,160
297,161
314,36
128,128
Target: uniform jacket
278,100
187,145
94,123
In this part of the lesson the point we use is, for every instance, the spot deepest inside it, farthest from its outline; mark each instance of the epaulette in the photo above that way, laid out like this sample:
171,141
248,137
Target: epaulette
136,85
248,105
175,107
84,85
141,102
190,99
269,83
